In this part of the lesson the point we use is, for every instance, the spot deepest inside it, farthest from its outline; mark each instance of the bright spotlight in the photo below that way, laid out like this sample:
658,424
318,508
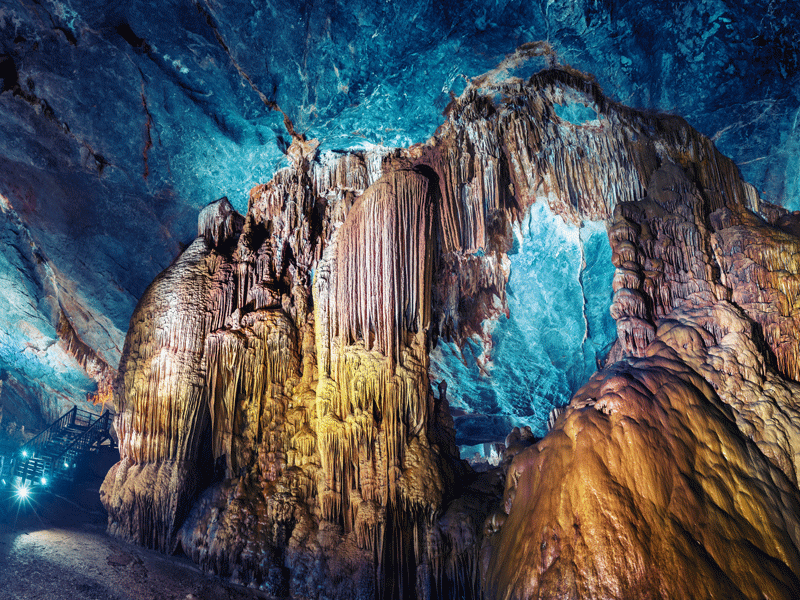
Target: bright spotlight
25,454
66,465
44,480
23,492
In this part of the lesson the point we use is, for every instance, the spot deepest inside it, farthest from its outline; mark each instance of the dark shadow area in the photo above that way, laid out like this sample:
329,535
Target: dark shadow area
60,503
54,545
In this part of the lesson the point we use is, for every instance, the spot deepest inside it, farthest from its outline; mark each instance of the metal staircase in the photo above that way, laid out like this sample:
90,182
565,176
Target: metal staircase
54,453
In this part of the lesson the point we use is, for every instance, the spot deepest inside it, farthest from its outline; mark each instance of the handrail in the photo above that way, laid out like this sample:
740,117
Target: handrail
46,434
86,439
37,450
73,416
84,416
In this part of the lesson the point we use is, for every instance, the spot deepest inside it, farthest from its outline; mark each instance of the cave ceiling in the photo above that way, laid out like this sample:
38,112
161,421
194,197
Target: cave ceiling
119,121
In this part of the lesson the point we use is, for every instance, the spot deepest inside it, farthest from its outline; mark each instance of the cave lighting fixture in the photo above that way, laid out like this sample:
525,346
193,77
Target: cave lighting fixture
23,492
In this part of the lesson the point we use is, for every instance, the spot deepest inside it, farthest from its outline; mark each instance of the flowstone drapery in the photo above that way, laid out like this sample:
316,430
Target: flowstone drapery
278,423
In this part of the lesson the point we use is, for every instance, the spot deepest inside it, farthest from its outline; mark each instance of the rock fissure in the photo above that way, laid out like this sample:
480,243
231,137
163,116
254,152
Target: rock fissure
148,140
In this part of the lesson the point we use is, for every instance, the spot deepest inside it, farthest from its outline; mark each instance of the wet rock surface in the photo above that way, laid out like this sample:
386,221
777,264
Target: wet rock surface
645,479
279,424
277,417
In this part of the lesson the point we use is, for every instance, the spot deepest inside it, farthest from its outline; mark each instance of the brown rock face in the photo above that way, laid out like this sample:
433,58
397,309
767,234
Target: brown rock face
673,472
646,488
278,423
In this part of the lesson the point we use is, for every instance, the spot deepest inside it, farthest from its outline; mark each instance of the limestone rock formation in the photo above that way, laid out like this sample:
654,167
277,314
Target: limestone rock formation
681,457
646,488
118,123
278,424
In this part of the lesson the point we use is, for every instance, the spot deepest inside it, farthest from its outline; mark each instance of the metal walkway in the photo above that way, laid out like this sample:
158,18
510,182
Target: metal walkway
54,453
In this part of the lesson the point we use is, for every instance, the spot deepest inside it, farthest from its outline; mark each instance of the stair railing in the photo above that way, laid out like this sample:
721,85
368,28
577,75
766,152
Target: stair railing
29,448
96,431
83,418
29,465
27,452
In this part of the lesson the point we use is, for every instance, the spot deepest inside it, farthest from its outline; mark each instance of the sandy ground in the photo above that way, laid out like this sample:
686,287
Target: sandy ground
55,548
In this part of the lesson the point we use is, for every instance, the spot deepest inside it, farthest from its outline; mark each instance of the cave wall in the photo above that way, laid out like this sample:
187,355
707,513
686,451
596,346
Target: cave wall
680,456
278,422
118,122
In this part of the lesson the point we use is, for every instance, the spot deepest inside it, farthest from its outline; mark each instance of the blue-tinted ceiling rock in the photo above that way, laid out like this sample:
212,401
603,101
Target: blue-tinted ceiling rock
119,120
558,330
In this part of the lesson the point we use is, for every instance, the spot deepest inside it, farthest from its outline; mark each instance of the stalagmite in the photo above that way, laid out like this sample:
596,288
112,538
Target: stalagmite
645,480
159,403
278,422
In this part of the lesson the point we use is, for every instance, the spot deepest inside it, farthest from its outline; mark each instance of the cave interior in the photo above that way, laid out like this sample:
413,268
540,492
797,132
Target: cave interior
420,299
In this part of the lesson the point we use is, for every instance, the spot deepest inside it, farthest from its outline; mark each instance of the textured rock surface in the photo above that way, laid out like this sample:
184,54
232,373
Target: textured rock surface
681,457
646,488
278,422
119,121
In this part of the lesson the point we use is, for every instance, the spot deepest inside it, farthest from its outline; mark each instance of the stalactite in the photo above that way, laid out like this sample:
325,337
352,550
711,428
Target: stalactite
383,479
294,342
383,265
246,372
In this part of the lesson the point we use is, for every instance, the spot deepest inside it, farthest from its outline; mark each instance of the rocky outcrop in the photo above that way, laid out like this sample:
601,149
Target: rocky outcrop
646,488
277,421
681,455
119,122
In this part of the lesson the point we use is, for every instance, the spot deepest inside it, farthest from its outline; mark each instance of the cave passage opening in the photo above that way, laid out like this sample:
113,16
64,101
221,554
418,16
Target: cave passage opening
558,332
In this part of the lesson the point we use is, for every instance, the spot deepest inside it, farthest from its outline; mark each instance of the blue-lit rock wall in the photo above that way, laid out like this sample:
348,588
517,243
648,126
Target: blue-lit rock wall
28,347
558,330
118,121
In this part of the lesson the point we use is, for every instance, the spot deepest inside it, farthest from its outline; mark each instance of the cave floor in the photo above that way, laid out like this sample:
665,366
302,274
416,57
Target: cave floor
56,548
